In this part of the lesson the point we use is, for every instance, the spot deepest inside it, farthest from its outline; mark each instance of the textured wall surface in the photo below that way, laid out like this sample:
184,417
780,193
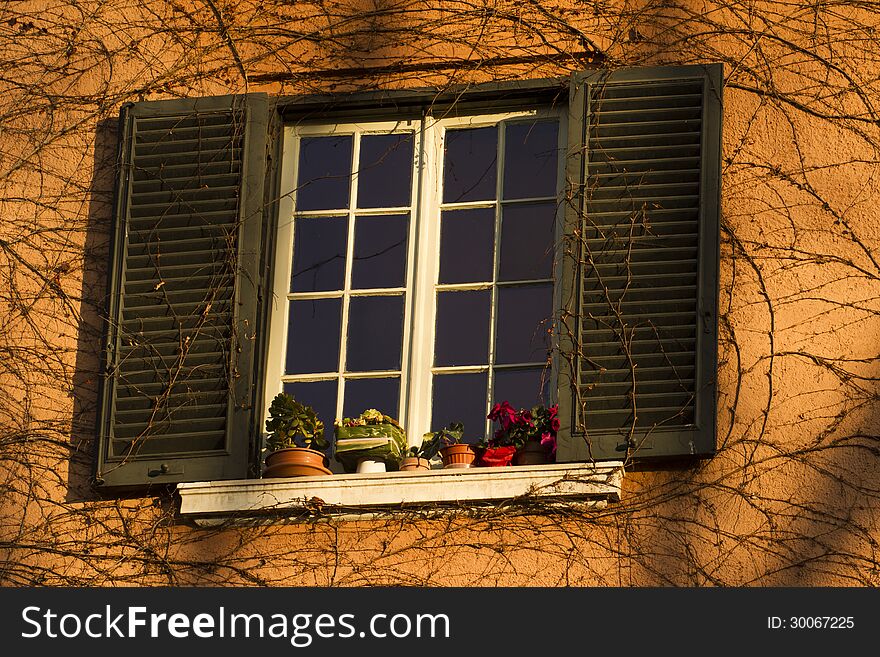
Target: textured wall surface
791,498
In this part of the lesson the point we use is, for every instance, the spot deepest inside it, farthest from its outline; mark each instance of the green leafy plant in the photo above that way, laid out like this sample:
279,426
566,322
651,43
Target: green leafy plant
369,417
431,444
451,434
372,434
292,424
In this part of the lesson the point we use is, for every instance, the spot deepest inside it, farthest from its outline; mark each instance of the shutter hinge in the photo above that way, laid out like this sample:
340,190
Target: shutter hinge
707,322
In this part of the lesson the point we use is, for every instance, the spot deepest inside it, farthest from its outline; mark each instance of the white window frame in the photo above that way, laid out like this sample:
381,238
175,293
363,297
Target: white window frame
422,273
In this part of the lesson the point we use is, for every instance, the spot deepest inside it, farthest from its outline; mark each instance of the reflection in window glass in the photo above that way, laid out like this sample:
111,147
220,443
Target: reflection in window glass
470,165
460,398
380,251
523,322
462,328
375,333
324,173
313,336
467,242
319,254
385,171
530,159
381,394
527,241
522,388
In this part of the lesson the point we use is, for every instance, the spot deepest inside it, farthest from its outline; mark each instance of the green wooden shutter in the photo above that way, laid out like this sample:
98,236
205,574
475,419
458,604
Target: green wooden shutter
640,273
177,402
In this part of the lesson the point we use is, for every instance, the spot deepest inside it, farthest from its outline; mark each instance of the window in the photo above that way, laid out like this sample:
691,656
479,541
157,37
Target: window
424,253
414,267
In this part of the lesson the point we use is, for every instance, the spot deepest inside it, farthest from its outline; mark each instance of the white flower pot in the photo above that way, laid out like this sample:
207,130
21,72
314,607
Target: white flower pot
371,465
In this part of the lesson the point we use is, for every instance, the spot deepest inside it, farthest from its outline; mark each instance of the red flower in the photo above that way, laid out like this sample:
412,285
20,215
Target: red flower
548,440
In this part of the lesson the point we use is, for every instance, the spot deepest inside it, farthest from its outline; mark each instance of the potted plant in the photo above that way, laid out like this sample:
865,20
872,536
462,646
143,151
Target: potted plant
295,444
370,442
455,453
418,457
528,435
540,445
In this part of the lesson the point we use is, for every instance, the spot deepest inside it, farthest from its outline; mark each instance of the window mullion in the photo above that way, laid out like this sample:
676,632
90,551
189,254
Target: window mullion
427,220
493,307
283,266
349,260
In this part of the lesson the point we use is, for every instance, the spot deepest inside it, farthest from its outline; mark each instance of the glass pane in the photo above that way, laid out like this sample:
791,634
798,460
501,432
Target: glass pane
385,172
320,395
467,245
319,254
313,336
462,332
470,164
522,388
380,251
375,333
381,394
460,398
531,152
527,241
324,173
522,323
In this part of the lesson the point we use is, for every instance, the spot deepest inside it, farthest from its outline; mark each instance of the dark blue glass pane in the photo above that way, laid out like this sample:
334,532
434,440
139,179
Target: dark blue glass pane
385,172
460,398
319,254
313,336
527,233
531,158
462,330
381,394
522,388
375,333
470,164
380,251
320,395
324,173
467,245
522,323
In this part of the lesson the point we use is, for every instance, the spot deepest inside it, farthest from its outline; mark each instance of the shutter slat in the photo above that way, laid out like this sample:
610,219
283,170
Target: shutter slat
643,128
193,194
203,119
147,134
163,183
162,426
185,173
161,445
661,375
214,231
193,209
157,161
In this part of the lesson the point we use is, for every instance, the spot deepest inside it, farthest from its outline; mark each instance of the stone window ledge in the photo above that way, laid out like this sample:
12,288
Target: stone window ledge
364,496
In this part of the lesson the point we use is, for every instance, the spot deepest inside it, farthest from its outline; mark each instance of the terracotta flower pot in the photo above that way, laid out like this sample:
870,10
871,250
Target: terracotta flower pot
458,456
414,463
497,456
532,453
296,462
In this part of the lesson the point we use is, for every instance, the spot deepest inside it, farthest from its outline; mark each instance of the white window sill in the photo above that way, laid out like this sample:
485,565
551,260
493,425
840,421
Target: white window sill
363,496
